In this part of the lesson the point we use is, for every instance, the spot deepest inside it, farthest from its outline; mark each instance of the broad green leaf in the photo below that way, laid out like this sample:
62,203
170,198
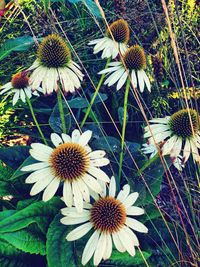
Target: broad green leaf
6,213
26,240
56,241
14,156
19,44
108,143
10,256
55,120
124,259
18,172
40,213
78,102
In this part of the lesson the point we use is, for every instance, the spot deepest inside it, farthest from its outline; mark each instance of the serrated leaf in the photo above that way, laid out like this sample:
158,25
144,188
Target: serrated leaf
55,120
124,259
40,213
27,241
56,241
14,156
10,256
19,44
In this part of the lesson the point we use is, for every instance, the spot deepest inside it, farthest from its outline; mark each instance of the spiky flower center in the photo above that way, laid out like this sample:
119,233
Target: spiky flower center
69,161
53,52
134,58
120,31
180,123
108,215
20,80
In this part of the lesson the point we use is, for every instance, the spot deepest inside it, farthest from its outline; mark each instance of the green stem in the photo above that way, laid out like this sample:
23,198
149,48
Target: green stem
35,120
124,126
61,110
95,95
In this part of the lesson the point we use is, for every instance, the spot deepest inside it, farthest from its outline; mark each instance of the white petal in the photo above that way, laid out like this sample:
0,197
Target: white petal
90,248
123,194
67,194
15,97
122,80
39,155
134,79
176,148
56,139
140,80
40,185
72,212
97,154
100,162
159,129
38,175
130,200
75,136
35,166
85,138
136,225
112,187
99,174
118,243
44,148
84,190
51,189
74,220
108,70
66,138
127,241
79,232
167,147
108,250
100,249
92,183
22,95
186,150
135,211
132,236
78,199
114,77
159,137
146,80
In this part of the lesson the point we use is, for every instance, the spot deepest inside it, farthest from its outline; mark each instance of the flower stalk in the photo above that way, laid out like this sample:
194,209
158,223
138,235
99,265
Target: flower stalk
61,110
128,83
95,95
35,120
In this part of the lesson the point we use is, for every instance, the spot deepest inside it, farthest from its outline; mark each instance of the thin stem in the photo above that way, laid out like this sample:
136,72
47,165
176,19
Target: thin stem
95,95
35,120
61,110
124,126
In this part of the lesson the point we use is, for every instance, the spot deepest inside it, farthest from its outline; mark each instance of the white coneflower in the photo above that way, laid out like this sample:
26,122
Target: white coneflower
110,47
19,86
110,218
71,162
135,63
152,150
54,65
178,133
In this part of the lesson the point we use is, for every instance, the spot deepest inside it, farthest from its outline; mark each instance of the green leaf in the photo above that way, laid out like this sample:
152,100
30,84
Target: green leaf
46,4
152,172
108,143
10,256
78,102
56,241
26,240
55,121
19,44
124,259
40,213
18,172
121,115
14,156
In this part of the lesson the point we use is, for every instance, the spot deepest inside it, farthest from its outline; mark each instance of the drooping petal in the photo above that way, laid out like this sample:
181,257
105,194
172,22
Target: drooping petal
51,189
79,232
